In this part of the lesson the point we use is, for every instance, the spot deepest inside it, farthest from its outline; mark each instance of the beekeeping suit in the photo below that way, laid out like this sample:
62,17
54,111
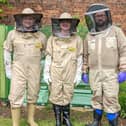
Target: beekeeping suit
104,58
26,43
64,52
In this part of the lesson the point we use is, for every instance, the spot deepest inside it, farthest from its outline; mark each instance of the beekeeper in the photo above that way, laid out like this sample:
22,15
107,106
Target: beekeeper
26,43
63,65
105,61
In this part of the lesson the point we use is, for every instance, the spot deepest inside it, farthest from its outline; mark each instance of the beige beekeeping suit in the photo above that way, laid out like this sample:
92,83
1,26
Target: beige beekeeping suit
61,67
27,45
64,53
104,56
26,48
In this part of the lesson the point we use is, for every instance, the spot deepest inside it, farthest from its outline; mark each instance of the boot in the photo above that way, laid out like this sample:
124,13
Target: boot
113,118
66,115
97,119
113,122
15,112
64,122
57,110
31,112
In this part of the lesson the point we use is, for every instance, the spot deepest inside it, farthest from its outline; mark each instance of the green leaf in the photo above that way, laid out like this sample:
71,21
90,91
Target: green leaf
1,10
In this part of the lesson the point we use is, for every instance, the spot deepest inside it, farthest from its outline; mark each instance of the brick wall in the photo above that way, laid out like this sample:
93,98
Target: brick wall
51,8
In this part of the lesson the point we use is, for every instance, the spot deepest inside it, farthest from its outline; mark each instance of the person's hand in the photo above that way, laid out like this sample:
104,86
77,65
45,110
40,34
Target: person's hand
122,76
47,79
85,78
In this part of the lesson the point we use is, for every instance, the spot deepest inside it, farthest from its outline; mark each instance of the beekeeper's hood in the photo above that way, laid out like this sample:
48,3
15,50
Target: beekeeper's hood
90,17
28,12
67,17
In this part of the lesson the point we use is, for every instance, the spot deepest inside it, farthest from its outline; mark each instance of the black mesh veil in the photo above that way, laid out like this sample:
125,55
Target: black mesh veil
89,16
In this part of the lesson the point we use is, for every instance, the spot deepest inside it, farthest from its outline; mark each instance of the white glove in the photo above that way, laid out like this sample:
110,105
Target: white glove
7,63
46,75
77,79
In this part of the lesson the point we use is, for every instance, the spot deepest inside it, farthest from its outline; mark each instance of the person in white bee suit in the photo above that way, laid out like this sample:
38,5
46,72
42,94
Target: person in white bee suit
105,61
27,44
63,65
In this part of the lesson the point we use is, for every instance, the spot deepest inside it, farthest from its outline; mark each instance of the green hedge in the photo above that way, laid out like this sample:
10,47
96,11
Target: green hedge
4,1
122,99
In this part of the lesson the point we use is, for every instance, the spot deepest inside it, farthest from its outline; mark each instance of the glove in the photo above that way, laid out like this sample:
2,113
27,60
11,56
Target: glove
7,63
46,75
85,78
77,79
121,77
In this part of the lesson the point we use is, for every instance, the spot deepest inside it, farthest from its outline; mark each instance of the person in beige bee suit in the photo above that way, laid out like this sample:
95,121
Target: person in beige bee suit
105,60
63,65
26,43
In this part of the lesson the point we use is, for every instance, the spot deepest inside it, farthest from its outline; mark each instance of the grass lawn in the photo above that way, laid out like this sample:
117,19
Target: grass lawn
8,122
44,116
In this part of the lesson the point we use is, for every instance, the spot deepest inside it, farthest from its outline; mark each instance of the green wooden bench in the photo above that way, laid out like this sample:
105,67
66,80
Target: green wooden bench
81,97
43,96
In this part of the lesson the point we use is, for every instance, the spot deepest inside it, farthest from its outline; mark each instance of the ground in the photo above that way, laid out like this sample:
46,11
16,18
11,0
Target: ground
79,115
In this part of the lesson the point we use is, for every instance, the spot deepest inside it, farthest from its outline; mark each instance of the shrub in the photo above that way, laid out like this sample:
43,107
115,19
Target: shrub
47,30
82,30
122,100
4,1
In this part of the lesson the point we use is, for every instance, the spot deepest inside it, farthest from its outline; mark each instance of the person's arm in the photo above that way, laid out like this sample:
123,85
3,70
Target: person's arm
48,60
46,76
42,43
77,79
85,67
8,47
121,40
85,57
7,63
